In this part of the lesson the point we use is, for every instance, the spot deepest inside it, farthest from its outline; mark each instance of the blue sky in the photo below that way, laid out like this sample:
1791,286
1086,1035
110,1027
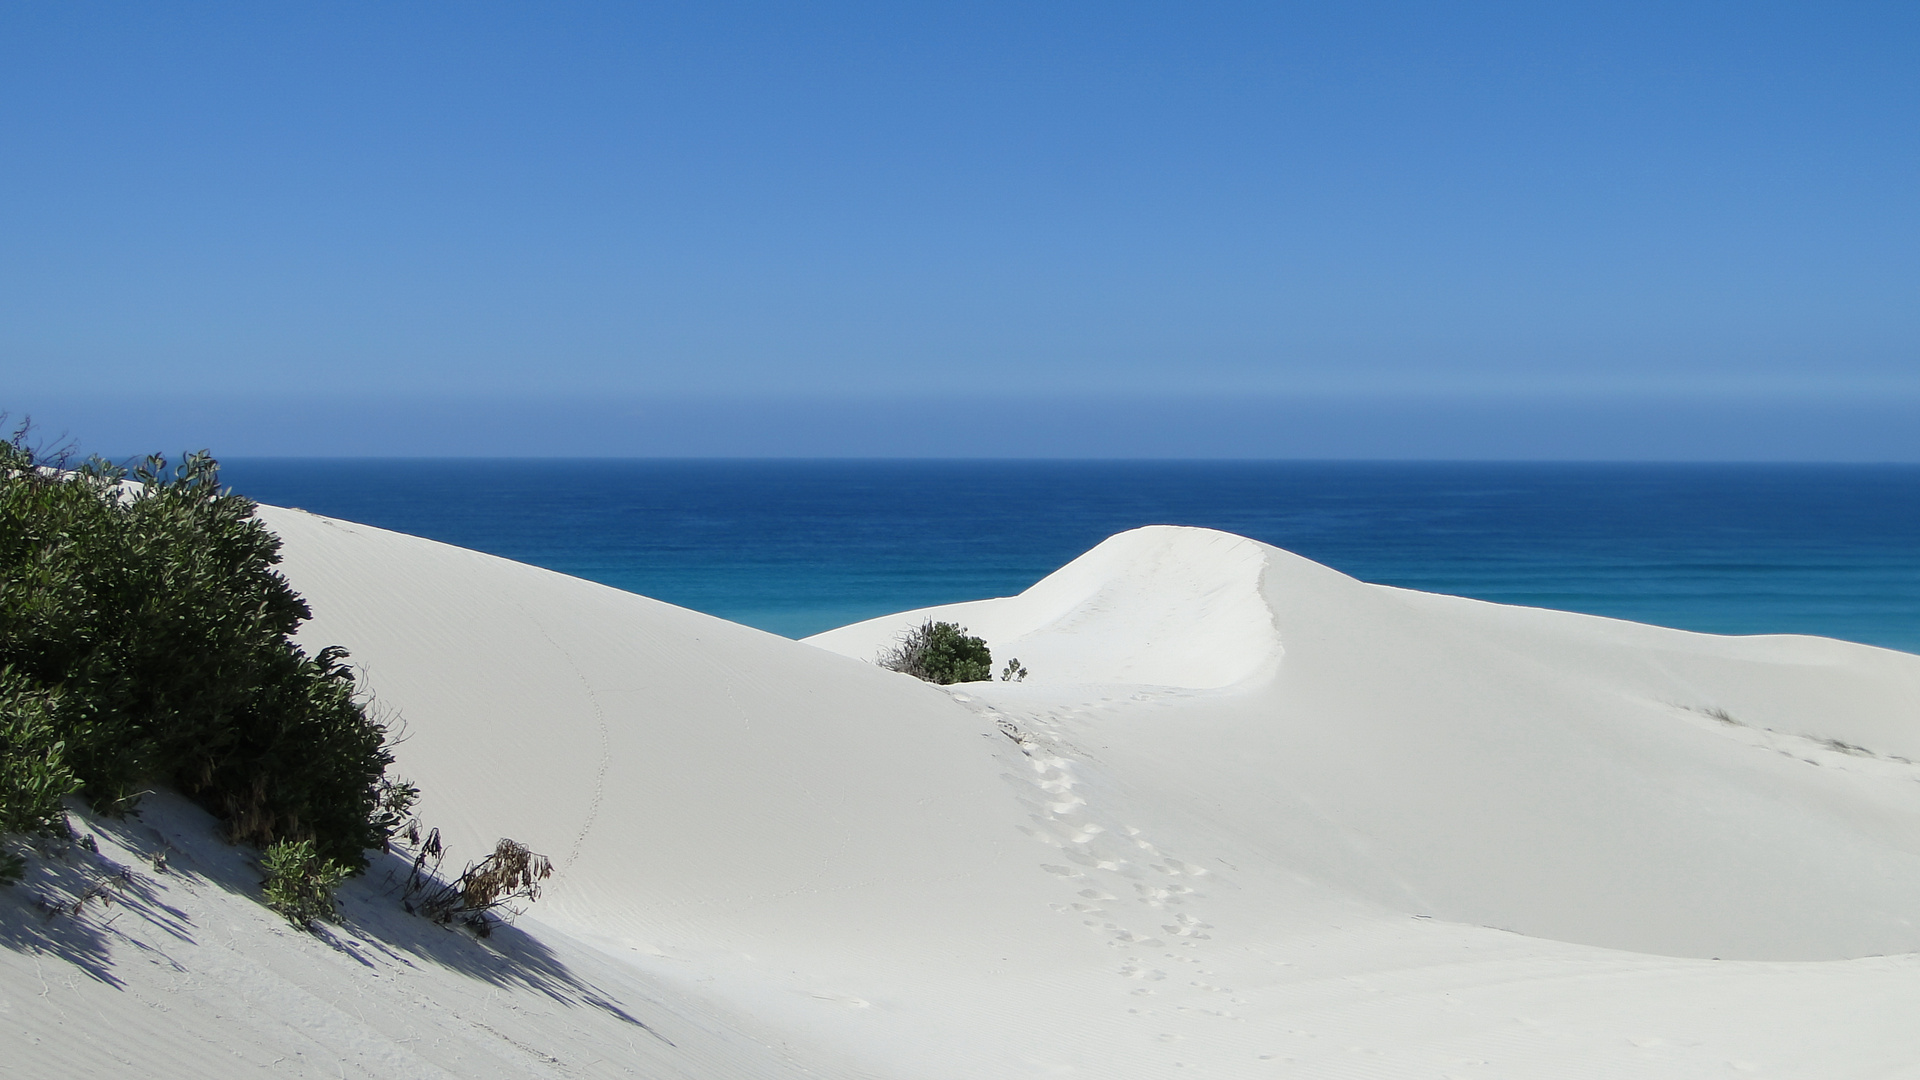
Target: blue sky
1401,230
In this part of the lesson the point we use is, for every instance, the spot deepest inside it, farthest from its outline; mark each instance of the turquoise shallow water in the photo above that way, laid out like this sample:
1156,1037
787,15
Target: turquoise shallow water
796,547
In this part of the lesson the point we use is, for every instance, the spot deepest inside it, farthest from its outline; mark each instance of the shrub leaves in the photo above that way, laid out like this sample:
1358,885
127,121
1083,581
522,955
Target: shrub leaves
146,638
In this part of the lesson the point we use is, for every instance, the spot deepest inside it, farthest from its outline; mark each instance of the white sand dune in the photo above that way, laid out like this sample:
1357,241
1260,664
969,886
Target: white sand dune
1247,817
1560,775
1156,606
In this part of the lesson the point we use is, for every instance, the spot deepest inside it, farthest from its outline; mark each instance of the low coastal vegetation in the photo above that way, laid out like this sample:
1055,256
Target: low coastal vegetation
299,883
145,637
483,889
146,640
940,652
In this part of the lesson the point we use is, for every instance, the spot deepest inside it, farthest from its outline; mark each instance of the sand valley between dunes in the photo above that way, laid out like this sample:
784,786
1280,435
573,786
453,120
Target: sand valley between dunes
1248,817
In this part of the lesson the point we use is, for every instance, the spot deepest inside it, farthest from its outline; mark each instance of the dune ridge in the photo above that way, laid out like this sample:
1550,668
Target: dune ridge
1189,600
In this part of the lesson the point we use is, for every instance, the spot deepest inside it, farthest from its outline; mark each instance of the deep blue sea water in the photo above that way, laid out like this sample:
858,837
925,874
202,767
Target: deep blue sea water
797,547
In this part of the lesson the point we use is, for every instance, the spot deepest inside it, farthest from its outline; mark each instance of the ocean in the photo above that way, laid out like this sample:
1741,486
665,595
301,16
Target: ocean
797,547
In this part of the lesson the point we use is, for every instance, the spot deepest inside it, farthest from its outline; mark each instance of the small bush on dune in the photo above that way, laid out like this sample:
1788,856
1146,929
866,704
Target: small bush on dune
299,883
940,652
483,890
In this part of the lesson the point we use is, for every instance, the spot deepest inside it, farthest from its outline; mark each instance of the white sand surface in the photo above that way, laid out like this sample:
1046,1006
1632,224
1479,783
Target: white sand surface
1247,817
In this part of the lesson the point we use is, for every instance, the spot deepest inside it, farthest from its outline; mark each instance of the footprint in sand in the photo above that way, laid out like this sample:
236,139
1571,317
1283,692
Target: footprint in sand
1060,819
1187,926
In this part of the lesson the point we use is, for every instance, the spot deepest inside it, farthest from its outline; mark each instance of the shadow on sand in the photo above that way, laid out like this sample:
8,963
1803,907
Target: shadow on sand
92,900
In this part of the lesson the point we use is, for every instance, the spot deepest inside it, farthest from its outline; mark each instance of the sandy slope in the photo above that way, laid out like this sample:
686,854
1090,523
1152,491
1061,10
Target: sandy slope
159,962
1248,817
1559,775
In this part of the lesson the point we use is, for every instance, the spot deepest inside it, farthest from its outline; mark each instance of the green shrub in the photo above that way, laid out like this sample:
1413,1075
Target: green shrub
299,883
145,638
940,652
33,772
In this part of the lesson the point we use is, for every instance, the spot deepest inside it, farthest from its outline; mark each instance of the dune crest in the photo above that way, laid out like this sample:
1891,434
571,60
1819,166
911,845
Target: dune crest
1163,605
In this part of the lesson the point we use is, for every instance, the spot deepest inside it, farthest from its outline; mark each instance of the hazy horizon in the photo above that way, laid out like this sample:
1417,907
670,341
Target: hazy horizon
979,426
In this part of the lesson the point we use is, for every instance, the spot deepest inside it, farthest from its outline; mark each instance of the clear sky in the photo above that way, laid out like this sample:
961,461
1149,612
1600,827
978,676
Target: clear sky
1421,229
